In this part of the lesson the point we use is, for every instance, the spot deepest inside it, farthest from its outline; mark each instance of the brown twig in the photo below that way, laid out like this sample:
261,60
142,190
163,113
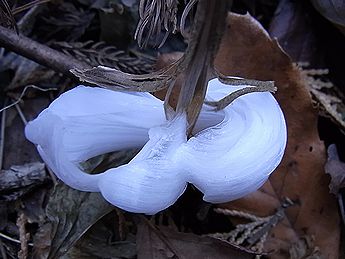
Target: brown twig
39,53
23,236
198,61
23,94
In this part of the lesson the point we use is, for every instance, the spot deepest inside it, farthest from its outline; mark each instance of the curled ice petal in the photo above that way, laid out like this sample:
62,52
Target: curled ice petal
86,122
152,181
231,154
241,151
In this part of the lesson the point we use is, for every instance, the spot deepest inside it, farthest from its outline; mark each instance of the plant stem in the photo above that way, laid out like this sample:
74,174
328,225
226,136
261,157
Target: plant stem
197,63
39,53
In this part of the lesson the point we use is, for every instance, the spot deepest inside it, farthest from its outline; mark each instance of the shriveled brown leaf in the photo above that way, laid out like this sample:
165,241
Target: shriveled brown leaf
164,243
336,169
101,241
248,51
70,213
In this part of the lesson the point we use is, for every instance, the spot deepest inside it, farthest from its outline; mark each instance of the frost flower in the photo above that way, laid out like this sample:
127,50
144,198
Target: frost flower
232,151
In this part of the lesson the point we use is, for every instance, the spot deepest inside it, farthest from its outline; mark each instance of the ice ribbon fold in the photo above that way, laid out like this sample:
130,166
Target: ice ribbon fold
231,154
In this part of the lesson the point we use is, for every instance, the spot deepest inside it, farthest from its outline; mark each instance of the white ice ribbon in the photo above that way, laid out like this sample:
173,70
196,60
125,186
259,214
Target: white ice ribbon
231,154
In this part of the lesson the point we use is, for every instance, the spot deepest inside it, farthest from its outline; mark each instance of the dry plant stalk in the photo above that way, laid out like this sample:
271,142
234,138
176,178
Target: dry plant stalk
196,66
6,16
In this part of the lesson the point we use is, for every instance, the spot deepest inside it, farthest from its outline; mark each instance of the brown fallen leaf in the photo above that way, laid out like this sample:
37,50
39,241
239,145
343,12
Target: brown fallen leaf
336,169
248,51
163,243
100,242
70,213
297,27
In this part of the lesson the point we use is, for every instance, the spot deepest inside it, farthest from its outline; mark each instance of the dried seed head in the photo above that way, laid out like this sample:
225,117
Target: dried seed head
156,16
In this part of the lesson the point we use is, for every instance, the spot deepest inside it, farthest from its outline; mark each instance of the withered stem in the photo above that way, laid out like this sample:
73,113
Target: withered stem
197,63
39,53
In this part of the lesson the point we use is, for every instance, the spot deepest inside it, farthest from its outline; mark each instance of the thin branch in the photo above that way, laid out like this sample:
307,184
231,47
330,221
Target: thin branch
262,86
23,93
198,61
2,235
39,53
21,114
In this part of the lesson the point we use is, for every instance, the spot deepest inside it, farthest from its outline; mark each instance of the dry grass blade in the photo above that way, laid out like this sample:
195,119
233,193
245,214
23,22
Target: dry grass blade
155,16
185,15
28,5
114,79
23,94
6,16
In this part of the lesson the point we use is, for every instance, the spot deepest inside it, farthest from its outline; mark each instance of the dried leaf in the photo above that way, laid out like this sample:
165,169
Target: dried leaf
26,71
70,213
332,106
304,248
333,10
117,24
33,204
17,148
294,23
291,26
65,22
3,215
336,169
247,51
164,243
22,176
99,242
